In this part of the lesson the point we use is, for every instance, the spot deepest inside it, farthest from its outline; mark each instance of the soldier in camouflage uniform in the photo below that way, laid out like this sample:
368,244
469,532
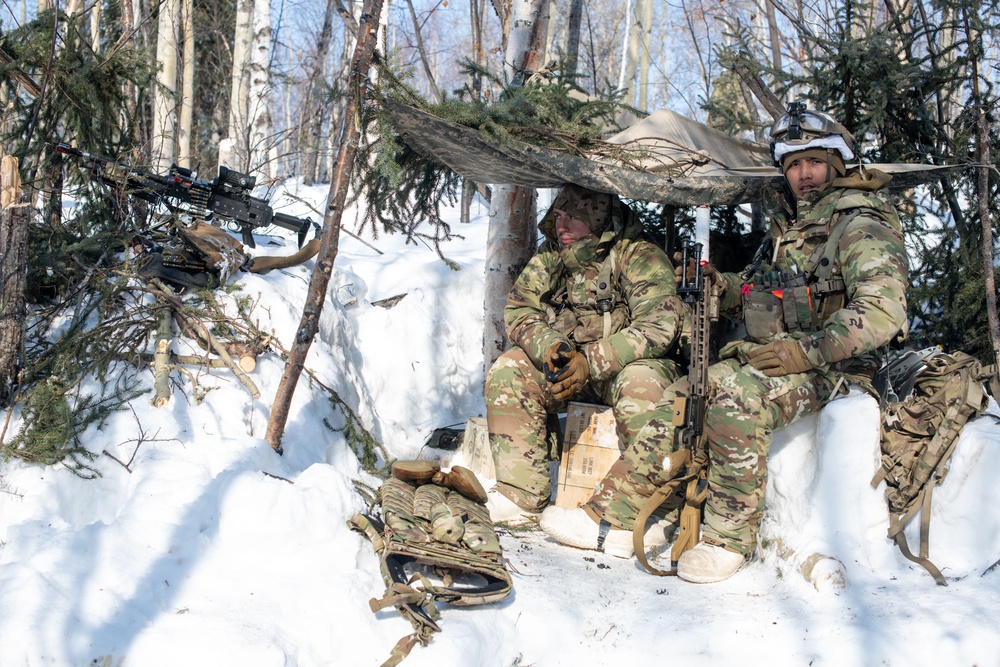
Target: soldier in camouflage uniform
597,308
821,300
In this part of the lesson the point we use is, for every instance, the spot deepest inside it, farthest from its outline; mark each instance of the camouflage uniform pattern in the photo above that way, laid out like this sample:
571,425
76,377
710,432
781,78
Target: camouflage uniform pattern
745,405
554,300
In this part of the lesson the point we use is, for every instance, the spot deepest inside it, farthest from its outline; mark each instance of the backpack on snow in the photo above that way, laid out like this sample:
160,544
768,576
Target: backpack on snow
436,543
927,398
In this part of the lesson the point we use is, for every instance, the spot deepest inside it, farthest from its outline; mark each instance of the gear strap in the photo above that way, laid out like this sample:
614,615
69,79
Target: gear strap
689,529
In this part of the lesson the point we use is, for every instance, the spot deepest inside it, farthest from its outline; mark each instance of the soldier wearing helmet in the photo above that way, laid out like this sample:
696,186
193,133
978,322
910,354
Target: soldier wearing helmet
823,297
591,317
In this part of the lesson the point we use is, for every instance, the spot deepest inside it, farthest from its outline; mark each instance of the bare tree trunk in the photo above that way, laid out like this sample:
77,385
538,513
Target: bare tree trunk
774,35
233,149
165,96
512,236
95,27
329,244
476,8
312,130
573,36
975,40
645,32
14,215
428,72
186,124
261,149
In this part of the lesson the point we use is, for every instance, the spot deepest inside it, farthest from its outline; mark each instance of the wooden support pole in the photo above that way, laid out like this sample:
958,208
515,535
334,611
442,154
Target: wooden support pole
320,280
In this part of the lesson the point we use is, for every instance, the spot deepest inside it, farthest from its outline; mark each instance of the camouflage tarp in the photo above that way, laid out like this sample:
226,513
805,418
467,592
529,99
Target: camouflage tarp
676,161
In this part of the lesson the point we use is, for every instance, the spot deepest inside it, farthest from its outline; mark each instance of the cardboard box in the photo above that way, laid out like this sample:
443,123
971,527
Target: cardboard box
590,447
476,449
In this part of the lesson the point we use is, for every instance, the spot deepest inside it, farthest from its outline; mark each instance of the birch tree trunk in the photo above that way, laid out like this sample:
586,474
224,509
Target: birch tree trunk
329,244
233,149
165,93
262,150
645,32
512,236
186,124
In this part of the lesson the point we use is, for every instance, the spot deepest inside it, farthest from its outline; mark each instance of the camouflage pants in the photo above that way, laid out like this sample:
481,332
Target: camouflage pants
518,404
744,409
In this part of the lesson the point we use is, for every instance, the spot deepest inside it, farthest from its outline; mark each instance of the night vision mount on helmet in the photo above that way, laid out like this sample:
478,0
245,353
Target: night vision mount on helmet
800,129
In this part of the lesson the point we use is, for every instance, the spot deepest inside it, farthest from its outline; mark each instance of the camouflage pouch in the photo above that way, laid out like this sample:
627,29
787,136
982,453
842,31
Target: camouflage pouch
763,314
436,543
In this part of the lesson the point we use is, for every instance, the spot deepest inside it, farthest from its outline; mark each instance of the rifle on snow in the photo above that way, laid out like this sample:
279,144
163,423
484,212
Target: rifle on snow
690,460
227,197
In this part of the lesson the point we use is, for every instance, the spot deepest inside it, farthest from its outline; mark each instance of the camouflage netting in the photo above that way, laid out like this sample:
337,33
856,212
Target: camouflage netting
673,160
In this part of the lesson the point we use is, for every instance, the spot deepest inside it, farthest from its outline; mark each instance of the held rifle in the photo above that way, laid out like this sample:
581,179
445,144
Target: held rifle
227,197
689,462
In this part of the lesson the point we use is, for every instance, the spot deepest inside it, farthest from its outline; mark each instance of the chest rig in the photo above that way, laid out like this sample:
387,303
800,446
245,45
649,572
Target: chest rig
796,283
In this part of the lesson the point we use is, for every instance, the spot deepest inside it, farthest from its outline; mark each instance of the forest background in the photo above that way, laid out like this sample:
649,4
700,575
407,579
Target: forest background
266,88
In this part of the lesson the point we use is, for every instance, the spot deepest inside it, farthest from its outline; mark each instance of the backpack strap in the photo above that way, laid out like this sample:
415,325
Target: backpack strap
605,295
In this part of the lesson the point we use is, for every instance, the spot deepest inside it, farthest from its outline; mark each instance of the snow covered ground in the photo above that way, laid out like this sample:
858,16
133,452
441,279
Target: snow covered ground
211,549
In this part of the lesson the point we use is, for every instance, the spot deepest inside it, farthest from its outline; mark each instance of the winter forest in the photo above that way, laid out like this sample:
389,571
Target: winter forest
162,499
273,89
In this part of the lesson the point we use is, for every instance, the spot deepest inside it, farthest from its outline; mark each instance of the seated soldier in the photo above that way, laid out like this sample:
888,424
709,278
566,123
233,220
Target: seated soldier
824,296
591,318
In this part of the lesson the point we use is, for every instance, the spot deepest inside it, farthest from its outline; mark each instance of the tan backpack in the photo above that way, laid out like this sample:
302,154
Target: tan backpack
920,429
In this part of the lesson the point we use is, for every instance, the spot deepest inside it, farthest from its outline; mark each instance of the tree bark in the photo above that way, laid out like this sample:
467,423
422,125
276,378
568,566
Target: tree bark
14,216
512,236
186,121
975,40
165,95
573,37
428,71
312,130
320,280
233,149
261,150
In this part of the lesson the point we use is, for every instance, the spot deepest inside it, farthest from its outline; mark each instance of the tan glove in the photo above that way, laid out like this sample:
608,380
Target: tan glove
566,371
707,270
780,357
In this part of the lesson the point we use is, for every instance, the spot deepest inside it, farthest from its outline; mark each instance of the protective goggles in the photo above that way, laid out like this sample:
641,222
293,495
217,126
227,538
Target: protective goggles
805,125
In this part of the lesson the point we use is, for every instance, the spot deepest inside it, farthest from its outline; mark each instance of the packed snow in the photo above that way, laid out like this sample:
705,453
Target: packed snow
211,549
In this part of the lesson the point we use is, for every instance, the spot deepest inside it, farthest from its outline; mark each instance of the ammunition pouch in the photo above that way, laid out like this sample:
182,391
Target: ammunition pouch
436,543
779,303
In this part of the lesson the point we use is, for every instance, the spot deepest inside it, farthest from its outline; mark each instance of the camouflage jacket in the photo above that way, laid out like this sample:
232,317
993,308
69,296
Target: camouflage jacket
555,298
870,258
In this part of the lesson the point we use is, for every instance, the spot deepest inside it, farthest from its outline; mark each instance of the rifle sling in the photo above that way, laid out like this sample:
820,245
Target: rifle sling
691,510
265,264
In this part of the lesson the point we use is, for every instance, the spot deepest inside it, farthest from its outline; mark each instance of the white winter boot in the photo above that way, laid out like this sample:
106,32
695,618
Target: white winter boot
576,528
706,563
504,510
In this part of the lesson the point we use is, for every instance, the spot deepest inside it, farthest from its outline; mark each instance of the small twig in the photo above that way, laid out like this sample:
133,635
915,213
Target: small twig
346,231
139,441
283,479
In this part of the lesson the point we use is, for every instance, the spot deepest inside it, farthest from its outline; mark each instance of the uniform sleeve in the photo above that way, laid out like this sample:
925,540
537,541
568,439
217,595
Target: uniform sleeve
524,315
656,313
875,270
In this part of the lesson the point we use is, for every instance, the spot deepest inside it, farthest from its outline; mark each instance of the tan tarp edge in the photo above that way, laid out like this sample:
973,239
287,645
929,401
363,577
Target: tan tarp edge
466,152
669,140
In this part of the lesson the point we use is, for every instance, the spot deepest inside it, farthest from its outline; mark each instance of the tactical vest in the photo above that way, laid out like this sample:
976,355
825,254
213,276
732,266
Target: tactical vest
436,543
585,323
802,299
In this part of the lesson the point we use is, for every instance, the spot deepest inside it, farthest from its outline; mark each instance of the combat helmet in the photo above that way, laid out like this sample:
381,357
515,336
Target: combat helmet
804,130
